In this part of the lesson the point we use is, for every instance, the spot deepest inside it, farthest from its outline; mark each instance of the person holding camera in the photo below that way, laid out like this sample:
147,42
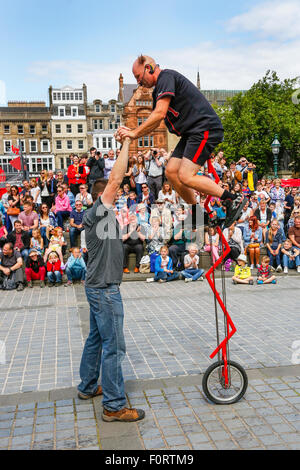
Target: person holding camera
154,166
96,164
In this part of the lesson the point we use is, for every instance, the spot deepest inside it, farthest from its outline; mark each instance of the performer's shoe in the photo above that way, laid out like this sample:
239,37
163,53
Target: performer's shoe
234,209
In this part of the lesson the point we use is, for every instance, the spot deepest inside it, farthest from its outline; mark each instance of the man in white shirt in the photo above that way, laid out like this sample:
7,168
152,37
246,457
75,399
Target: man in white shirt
109,163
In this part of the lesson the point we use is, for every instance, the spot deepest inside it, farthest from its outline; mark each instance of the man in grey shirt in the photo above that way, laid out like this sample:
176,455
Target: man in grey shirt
155,167
105,345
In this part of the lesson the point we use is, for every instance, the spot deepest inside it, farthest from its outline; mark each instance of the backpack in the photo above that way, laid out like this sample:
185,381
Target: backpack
9,282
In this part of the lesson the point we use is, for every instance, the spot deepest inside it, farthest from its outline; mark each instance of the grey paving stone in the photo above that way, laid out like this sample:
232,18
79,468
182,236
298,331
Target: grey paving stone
155,443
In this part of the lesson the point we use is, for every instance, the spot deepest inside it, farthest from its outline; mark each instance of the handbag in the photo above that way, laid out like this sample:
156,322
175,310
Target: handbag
13,211
233,244
9,282
253,245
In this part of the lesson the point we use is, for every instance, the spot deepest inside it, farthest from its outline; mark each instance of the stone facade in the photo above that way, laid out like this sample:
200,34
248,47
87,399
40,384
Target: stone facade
136,111
26,125
68,107
102,121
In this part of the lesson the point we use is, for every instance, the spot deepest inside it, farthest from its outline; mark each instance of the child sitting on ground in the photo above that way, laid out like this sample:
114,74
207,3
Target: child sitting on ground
191,270
75,267
54,272
242,272
291,256
3,233
57,242
37,241
164,267
264,275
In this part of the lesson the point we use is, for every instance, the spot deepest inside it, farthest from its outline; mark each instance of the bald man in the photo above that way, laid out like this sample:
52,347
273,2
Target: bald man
187,114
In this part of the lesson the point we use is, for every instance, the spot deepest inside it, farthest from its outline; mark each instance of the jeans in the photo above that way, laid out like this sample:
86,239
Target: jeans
194,273
74,233
166,276
75,273
104,347
138,188
54,276
272,258
44,236
175,252
289,263
24,254
61,216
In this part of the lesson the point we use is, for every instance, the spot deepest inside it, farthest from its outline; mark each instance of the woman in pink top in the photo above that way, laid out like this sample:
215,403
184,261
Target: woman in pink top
62,207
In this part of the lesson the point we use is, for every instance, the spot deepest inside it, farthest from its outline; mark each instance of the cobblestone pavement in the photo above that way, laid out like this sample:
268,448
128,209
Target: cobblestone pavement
170,332
177,417
169,329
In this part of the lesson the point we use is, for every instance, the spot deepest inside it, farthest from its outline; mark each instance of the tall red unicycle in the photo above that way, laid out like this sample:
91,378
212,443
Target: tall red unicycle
225,381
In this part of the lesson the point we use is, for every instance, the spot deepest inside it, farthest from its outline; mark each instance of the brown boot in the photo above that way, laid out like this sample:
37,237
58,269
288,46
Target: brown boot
86,397
127,415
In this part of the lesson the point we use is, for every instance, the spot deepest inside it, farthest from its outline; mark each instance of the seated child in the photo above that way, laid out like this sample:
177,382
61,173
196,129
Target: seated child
191,271
35,268
54,271
264,275
37,241
132,201
291,256
57,242
75,267
242,272
163,267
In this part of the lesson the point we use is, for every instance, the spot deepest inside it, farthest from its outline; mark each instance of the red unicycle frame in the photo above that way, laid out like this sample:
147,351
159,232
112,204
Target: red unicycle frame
230,329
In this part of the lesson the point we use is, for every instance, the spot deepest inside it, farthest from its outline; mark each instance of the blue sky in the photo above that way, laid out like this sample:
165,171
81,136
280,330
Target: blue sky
71,42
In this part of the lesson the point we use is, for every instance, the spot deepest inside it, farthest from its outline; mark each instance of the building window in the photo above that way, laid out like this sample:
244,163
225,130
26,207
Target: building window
44,128
97,108
37,164
58,145
6,128
97,142
80,96
69,144
63,96
80,144
109,139
112,108
69,128
20,129
32,129
61,110
79,128
110,124
57,128
98,124
145,141
58,96
74,111
72,96
45,146
54,96
33,146
7,146
23,148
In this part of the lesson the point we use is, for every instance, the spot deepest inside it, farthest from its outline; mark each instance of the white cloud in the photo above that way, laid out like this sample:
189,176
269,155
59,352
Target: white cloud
279,19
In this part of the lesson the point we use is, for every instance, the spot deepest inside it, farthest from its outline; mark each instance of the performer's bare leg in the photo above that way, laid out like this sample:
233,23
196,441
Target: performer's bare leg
172,168
187,175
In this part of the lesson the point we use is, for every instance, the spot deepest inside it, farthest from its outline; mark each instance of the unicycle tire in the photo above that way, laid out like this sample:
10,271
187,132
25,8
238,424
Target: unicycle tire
216,392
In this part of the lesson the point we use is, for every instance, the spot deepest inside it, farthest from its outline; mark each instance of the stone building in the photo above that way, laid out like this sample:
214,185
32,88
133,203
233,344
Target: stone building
137,107
26,125
68,108
102,121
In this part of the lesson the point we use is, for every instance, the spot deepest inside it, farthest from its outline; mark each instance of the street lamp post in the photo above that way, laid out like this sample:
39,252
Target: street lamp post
275,150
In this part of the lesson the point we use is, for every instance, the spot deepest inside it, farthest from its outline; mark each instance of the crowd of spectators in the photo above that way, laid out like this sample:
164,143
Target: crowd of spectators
35,217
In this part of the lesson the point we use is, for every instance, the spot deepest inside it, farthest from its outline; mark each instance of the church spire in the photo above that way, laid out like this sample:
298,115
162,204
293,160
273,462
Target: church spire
198,80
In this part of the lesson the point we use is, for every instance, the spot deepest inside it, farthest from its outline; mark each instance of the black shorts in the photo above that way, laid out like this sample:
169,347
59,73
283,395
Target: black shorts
198,147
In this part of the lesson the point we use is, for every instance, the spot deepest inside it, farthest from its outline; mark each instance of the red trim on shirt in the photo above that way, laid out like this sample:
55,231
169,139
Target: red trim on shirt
201,146
176,114
175,130
165,93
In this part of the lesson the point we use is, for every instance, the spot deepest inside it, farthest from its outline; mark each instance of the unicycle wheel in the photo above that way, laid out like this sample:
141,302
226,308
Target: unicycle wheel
213,383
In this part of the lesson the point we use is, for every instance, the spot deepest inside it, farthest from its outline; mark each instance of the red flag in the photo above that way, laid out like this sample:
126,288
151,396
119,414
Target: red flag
2,176
16,163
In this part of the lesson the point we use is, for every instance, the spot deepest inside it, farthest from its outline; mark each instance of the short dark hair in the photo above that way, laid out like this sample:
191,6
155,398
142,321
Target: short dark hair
10,244
17,222
98,187
92,148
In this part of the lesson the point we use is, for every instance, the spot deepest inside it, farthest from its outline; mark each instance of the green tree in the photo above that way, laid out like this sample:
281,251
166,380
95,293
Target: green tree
252,119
